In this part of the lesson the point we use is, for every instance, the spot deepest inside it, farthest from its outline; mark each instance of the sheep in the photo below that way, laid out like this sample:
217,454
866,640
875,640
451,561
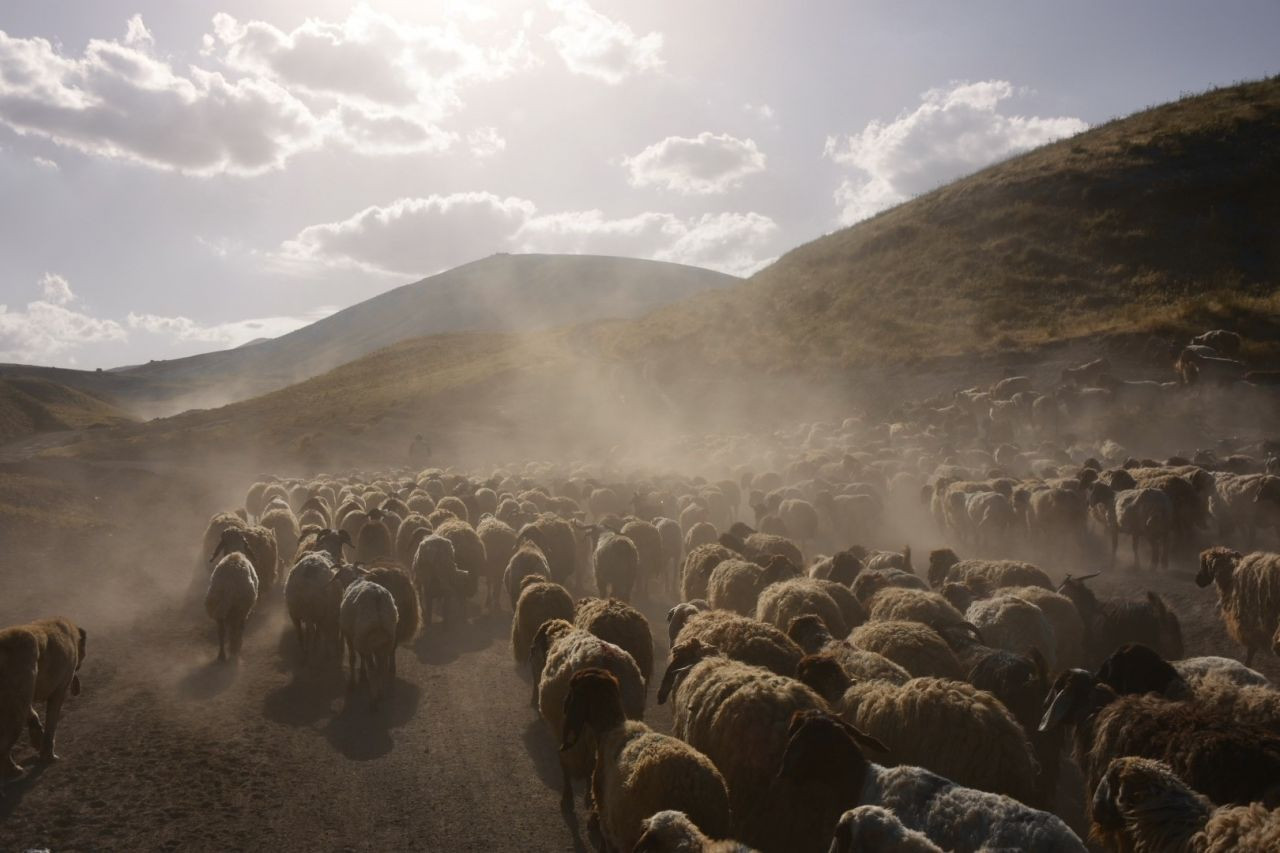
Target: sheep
557,652
1142,805
438,578
945,566
916,648
824,769
672,832
1246,501
1064,618
408,613
811,636
800,518
842,567
701,533
621,624
468,552
500,544
736,585
412,531
1230,670
648,542
284,526
638,771
39,662
1227,760
324,539
877,828
1114,622
616,562
672,550
697,568
374,540
878,561
1139,513
232,593
948,727
540,601
1086,374
1015,624
740,638
718,706
869,583
529,560
257,544
1248,595
367,619
780,603
914,605
312,600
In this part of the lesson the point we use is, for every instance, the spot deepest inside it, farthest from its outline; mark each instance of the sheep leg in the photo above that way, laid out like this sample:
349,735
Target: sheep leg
9,767
52,710
392,657
302,639
1137,561
1248,656
237,634
351,665
34,730
222,639
566,792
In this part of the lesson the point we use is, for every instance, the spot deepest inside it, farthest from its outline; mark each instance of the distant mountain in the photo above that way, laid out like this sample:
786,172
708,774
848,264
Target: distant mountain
499,293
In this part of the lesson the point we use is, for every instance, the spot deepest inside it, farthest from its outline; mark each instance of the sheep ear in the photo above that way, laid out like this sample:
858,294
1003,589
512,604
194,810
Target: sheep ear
862,738
1156,602
1041,665
1059,707
1087,577
670,615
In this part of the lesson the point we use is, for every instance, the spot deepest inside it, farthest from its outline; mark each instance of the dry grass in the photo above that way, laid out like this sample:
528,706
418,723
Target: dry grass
30,406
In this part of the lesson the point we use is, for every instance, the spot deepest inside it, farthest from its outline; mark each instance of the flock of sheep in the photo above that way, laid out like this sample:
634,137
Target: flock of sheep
825,695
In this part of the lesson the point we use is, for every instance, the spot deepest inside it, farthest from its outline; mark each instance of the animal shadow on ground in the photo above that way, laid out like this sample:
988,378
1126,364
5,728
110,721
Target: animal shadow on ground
363,734
208,679
13,790
442,643
546,761
308,697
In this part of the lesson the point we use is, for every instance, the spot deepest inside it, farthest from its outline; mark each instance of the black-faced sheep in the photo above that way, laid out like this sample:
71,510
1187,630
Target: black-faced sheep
1227,760
1142,805
638,771
740,638
557,652
1113,622
812,637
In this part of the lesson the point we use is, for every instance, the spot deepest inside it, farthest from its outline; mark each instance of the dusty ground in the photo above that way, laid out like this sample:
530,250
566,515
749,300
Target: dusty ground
167,750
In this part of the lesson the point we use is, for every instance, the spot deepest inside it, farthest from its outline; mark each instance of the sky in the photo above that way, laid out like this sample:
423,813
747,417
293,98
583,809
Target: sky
183,177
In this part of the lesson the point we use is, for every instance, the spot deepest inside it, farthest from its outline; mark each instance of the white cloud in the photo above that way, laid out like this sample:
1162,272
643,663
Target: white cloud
706,163
232,334
391,81
136,33
413,236
118,100
56,289
45,163
762,111
418,236
598,46
48,329
954,131
485,142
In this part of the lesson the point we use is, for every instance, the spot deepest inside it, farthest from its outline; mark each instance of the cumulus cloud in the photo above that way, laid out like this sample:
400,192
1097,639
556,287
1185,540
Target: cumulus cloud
370,83
56,289
417,236
597,46
954,131
413,236
48,328
485,142
706,163
118,100
232,334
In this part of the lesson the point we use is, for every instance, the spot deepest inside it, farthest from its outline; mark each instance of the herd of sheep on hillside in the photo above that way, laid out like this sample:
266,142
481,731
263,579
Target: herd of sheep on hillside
826,695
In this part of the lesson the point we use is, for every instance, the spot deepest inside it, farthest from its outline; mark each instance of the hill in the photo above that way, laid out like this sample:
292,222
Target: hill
1161,222
499,293
32,406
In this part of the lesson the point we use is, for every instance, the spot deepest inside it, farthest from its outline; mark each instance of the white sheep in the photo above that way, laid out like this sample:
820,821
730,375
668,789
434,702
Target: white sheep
232,593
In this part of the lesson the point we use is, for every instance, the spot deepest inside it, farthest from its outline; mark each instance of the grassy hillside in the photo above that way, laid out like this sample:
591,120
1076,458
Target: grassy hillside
1162,222
498,293
31,406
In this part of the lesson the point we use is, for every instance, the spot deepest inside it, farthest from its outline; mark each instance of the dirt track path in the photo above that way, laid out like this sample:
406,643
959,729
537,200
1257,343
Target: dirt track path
167,750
